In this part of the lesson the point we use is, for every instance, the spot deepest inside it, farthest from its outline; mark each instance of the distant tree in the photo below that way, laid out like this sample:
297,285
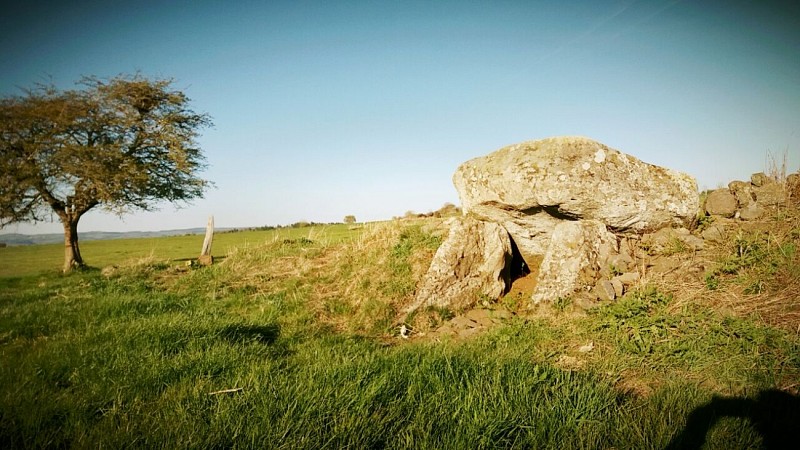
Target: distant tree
350,219
448,210
122,144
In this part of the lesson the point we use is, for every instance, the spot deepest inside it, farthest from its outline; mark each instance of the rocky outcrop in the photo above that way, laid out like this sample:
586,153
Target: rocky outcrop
577,251
560,201
530,187
474,261
750,200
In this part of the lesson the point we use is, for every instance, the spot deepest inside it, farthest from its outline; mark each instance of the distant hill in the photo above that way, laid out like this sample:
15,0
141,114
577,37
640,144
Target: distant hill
54,238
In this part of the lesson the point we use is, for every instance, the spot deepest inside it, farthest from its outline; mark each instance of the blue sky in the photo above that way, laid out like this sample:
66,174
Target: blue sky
323,109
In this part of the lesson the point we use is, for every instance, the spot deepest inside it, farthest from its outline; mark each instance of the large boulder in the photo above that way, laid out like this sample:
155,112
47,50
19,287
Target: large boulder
474,261
577,252
530,187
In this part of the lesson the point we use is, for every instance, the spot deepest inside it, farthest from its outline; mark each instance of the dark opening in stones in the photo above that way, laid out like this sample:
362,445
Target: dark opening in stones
523,274
519,268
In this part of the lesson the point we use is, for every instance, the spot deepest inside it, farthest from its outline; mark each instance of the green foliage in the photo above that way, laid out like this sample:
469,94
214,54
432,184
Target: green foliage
127,143
712,281
561,303
637,320
138,359
703,221
644,330
35,259
401,282
756,258
675,246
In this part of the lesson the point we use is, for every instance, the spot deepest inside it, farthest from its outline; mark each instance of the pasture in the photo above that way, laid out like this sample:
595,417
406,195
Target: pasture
290,341
32,259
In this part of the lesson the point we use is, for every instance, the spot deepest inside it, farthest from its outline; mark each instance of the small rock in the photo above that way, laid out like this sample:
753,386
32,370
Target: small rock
714,233
605,290
463,322
743,191
109,271
760,179
694,242
721,203
205,260
480,316
627,279
620,263
501,314
468,332
626,247
584,303
663,264
793,186
619,288
586,348
665,239
445,330
792,180
752,212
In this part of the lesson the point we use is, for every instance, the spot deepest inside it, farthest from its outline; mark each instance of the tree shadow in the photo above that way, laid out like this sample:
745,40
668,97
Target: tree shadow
240,333
774,414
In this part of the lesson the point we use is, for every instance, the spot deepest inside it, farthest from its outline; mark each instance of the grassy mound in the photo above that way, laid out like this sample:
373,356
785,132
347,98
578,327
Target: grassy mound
292,343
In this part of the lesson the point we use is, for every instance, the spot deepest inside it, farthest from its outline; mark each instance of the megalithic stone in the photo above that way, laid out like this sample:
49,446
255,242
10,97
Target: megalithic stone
205,253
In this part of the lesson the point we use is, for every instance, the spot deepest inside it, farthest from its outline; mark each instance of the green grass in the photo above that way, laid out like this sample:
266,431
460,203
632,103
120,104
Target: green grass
33,259
136,359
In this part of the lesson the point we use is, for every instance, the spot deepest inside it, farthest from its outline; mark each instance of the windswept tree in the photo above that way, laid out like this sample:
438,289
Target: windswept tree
122,144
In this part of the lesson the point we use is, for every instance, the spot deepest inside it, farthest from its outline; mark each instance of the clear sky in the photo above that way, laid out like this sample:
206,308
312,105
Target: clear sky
324,109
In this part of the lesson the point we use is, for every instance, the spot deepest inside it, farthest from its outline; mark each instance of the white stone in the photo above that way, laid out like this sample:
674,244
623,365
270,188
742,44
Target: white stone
600,156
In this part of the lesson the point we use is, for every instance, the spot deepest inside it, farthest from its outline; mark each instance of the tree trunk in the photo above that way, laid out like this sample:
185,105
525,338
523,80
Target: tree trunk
72,254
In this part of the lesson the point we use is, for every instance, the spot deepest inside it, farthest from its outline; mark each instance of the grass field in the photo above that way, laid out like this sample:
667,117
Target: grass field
33,259
292,343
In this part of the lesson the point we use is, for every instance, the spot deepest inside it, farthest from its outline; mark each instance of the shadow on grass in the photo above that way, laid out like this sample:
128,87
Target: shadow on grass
774,414
239,333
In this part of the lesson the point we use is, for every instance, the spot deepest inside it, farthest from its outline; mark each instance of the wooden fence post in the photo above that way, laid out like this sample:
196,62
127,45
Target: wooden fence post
205,254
